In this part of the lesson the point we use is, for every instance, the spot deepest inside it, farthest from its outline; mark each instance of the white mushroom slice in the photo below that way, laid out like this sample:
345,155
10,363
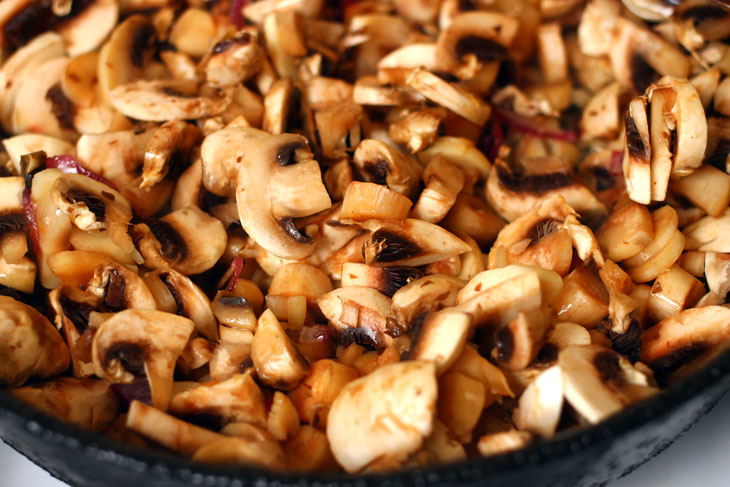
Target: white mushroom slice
358,314
450,96
519,342
367,91
673,290
707,187
637,157
440,338
398,402
410,56
717,273
722,97
169,147
474,38
601,117
34,109
234,399
276,106
442,445
136,341
706,84
118,288
31,347
221,154
409,242
598,382
444,181
163,100
21,65
18,275
294,189
178,435
387,280
598,26
626,232
278,362
541,403
651,10
552,53
428,293
86,402
339,128
88,29
232,61
381,163
709,234
188,240
365,201
193,32
503,442
256,11
26,143
418,129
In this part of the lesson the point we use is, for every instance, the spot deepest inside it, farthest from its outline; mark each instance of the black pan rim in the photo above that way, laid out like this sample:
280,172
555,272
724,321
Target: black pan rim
166,465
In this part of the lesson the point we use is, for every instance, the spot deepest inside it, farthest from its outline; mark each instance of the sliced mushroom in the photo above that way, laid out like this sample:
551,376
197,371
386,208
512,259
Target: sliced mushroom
474,38
278,363
664,249
401,401
440,338
722,97
294,189
673,291
518,343
409,242
503,442
27,143
118,288
387,280
338,128
176,241
88,403
30,345
233,60
583,299
443,182
418,129
428,293
461,400
232,400
601,117
133,342
242,451
598,382
626,232
541,403
450,96
168,151
358,314
380,163
365,201
681,342
221,154
163,100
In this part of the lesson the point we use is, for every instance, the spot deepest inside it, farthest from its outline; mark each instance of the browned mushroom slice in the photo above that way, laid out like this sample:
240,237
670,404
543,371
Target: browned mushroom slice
177,435
358,314
681,342
405,58
86,402
450,96
662,252
513,195
276,106
242,451
176,240
626,232
162,100
503,442
231,400
193,32
174,292
600,118
278,362
402,395
31,347
418,129
233,60
707,187
519,342
428,293
474,38
552,53
300,279
222,153
133,342
541,403
673,291
118,288
582,299
444,181
722,97
709,233
380,163
386,280
461,401
368,91
365,201
599,382
338,128
409,242
168,150
440,338
28,143
294,189
637,157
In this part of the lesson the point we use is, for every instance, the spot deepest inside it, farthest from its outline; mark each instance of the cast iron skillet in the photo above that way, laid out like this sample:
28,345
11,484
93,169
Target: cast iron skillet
582,457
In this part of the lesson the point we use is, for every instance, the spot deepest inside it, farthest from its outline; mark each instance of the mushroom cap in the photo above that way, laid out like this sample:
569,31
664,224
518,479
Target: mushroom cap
278,362
294,189
146,341
118,287
388,412
29,344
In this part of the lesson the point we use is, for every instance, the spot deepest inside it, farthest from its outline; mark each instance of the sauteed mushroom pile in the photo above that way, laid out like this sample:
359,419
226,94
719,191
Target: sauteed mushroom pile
359,235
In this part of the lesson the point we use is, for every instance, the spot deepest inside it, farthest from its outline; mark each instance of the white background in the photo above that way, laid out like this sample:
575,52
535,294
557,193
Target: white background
700,458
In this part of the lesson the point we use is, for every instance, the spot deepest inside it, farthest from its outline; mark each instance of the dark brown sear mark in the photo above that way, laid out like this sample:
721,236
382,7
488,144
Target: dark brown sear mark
397,277
61,107
170,91
78,313
547,354
141,40
535,183
131,356
287,224
634,141
505,342
285,155
226,44
627,344
377,172
365,337
94,204
608,367
391,247
701,13
234,301
172,244
176,296
642,74
719,158
35,18
485,50
114,293
674,360
542,229
11,223
604,178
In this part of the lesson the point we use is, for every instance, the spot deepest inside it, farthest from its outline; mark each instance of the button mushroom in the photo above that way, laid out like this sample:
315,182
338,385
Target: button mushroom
31,347
277,361
133,342
358,314
398,402
294,189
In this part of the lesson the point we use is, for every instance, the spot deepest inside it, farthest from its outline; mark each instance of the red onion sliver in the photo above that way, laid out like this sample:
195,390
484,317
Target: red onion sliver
139,389
237,265
615,167
530,127
30,217
69,165
236,13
